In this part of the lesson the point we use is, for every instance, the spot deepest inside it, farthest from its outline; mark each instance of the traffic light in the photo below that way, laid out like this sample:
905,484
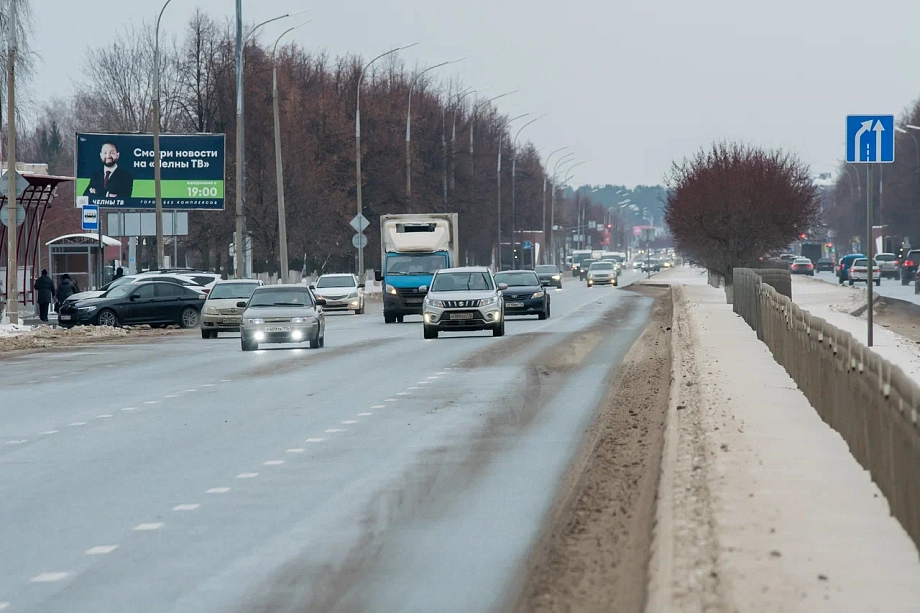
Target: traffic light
803,236
609,226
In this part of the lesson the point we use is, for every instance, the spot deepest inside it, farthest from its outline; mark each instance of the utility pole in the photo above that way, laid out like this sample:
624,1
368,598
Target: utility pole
157,186
12,267
869,264
239,242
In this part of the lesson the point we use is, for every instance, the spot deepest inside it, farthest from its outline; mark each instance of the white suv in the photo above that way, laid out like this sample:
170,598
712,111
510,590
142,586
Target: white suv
464,299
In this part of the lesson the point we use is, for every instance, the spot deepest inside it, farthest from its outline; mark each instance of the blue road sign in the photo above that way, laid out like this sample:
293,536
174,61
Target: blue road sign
870,139
528,245
90,218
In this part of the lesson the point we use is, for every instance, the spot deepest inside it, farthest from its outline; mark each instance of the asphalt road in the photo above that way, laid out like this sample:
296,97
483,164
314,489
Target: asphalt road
381,473
889,287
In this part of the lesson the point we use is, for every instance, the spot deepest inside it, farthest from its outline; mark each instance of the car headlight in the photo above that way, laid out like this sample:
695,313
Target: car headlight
391,290
435,303
301,320
211,311
87,309
488,301
556,277
538,294
255,320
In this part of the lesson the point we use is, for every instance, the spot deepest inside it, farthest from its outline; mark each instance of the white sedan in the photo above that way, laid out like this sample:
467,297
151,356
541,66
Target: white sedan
342,292
859,271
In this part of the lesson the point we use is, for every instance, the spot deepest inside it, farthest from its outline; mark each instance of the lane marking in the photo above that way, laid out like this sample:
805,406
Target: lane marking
348,422
190,391
55,377
77,423
226,380
414,387
364,414
423,382
49,577
314,440
273,463
18,442
247,475
218,490
442,373
4,605
402,393
391,399
433,377
298,450
186,507
50,432
129,409
171,396
104,416
151,401
100,550
150,526
379,406
208,385
32,381
334,430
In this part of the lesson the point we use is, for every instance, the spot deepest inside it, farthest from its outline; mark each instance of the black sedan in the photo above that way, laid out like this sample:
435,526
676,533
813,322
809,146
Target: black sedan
525,294
157,303
549,275
824,265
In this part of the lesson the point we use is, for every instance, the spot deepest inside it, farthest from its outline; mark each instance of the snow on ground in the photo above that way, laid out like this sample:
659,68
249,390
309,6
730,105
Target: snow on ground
7,329
763,507
41,337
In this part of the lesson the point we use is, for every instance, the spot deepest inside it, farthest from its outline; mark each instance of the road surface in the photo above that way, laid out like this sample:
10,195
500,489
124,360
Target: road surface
381,473
889,287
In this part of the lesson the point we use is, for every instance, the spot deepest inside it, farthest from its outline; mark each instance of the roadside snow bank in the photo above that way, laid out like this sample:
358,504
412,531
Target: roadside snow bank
41,337
7,330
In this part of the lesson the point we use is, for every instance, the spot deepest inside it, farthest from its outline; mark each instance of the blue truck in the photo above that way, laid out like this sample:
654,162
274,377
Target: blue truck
412,248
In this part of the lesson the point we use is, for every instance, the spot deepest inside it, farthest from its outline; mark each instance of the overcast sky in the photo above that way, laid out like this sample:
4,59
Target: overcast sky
632,84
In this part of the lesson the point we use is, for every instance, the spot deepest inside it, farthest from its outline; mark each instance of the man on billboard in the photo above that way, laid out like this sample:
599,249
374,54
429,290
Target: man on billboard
111,181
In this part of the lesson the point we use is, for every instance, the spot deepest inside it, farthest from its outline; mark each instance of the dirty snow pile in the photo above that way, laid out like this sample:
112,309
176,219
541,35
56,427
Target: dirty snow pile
46,336
14,330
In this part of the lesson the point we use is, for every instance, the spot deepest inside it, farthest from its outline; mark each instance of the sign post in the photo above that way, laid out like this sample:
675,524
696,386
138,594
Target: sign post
870,140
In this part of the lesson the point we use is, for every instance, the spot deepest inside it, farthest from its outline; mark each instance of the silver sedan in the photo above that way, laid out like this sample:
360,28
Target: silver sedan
282,314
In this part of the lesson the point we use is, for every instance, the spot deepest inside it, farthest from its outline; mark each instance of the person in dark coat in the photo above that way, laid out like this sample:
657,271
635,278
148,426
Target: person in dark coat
65,290
45,288
119,273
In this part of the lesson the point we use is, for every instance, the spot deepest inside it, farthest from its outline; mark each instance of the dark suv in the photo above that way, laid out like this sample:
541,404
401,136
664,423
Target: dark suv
909,266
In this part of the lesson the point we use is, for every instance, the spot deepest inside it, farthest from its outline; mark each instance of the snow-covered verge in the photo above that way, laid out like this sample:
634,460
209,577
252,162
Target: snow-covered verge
762,507
7,329
40,337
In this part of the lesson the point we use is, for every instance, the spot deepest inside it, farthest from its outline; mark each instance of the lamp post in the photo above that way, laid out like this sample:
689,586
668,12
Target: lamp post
453,134
543,218
279,170
12,266
358,147
552,206
409,123
157,187
473,116
501,138
513,181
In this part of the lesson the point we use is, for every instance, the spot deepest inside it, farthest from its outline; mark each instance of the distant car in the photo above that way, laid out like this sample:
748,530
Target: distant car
156,303
843,266
637,265
910,266
583,269
888,263
220,312
170,278
602,273
525,294
282,314
802,266
651,265
859,271
788,258
824,265
549,275
342,292
464,299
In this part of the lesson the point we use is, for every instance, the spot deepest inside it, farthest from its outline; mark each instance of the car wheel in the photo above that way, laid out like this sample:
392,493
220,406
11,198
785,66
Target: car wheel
559,285
499,330
851,282
189,318
107,317
399,318
840,280
429,332
878,282
389,319
314,342
905,280
548,310
205,334
917,288
247,345
322,340
542,315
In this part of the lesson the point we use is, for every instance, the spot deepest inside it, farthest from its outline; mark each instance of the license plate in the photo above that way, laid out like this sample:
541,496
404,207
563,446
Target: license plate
64,317
515,305
415,300
230,320
278,329
461,316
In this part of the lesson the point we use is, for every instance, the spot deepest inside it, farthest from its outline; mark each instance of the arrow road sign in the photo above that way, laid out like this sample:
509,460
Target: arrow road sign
359,241
360,223
90,217
870,139
21,184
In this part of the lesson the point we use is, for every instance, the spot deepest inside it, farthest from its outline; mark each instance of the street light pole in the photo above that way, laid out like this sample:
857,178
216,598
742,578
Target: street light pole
547,240
12,262
473,116
453,136
513,181
157,186
358,148
552,212
501,138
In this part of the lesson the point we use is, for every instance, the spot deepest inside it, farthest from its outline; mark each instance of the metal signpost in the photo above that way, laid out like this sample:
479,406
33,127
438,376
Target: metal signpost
360,223
870,140
648,234
90,218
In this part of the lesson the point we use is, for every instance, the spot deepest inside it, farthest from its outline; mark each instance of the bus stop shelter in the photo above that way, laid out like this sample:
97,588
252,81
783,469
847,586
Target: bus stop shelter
78,256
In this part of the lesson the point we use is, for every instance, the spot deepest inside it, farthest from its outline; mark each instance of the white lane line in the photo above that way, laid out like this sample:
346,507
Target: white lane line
32,381
150,526
77,423
402,393
298,450
379,406
208,385
247,475
442,373
391,399
4,605
273,463
186,507
17,442
348,422
55,377
226,380
49,577
101,550
414,387
129,409
433,377
314,440
171,396
104,416
190,391
218,490
334,430
364,414
423,382
50,432
151,401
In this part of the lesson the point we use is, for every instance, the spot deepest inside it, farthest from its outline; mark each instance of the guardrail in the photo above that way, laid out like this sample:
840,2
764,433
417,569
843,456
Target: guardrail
868,400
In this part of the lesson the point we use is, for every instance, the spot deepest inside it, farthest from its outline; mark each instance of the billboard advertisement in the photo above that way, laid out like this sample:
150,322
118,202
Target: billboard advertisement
115,171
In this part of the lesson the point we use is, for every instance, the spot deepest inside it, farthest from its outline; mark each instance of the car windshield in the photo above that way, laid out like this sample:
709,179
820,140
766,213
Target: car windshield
278,296
119,292
462,282
348,281
587,263
547,269
517,279
602,266
802,261
241,291
415,264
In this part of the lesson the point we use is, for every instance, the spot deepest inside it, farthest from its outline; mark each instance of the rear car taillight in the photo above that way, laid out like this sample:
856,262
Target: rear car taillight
809,267
909,263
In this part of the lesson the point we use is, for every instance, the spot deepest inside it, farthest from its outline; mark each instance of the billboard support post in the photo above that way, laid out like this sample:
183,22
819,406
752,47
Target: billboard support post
12,268
157,187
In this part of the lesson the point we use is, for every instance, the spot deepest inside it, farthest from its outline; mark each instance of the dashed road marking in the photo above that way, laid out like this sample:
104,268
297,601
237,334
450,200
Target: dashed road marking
150,526
273,463
151,401
247,475
208,385
171,396
17,442
433,377
298,450
218,490
423,382
49,577
364,414
348,422
4,605
442,373
226,380
414,387
314,440
334,430
77,423
100,550
50,432
104,416
391,399
190,391
402,393
186,507
32,381
378,406
129,409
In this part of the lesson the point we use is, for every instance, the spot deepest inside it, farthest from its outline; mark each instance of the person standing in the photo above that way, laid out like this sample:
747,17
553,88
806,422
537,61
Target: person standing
45,288
65,290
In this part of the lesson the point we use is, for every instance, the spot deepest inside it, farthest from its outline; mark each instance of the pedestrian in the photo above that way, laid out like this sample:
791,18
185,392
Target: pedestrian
65,290
45,288
119,273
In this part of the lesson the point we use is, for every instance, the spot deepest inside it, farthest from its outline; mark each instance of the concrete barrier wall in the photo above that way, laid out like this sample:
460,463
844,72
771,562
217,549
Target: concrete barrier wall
869,401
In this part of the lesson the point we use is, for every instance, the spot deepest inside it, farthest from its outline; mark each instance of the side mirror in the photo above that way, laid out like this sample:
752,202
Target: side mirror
360,286
312,287
423,289
320,301
502,287
241,304
378,277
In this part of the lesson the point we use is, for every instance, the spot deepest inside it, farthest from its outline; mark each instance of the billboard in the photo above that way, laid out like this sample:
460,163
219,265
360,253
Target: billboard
116,171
